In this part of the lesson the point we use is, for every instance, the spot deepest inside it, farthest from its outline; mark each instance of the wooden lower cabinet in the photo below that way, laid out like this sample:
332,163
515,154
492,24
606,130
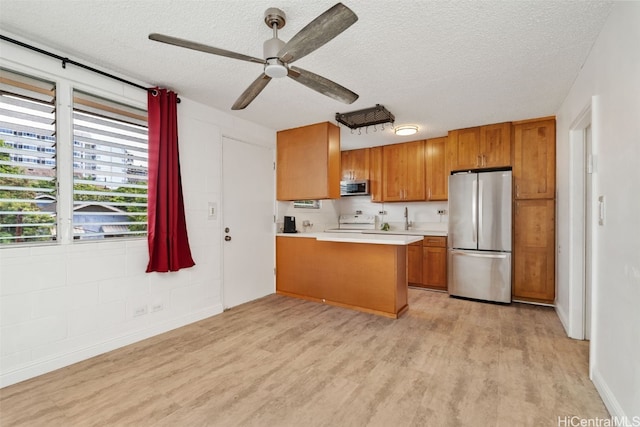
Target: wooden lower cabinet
365,277
434,267
534,251
428,263
414,265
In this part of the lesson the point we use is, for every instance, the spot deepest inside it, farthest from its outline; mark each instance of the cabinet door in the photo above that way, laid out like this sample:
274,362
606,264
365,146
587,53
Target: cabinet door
414,267
534,163
403,172
308,162
495,145
355,164
394,167
414,185
375,174
464,148
437,173
434,262
534,250
434,267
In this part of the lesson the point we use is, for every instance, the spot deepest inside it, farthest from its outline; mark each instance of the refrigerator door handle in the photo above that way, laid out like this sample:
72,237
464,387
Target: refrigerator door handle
474,207
480,197
476,255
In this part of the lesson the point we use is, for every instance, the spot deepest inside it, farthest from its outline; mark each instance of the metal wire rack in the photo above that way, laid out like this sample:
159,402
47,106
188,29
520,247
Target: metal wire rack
367,117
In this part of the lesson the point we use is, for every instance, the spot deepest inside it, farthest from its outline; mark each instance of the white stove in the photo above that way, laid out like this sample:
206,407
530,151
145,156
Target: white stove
354,223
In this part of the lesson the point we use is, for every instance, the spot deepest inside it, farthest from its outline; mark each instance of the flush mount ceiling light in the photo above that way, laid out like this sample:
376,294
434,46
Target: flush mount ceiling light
405,130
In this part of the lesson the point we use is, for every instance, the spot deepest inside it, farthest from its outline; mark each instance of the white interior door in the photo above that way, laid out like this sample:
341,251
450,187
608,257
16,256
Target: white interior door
248,201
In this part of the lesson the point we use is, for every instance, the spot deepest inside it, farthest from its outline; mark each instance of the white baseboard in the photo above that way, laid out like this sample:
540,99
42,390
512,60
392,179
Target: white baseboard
607,396
41,367
564,319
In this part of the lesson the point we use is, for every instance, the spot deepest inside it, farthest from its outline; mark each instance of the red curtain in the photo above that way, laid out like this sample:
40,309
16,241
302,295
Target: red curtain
167,229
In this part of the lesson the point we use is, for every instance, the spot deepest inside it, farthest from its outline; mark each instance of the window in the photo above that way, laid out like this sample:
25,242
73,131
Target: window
105,155
27,159
109,169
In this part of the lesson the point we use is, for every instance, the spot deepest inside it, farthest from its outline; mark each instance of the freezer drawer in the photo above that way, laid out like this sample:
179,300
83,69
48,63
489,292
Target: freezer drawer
480,275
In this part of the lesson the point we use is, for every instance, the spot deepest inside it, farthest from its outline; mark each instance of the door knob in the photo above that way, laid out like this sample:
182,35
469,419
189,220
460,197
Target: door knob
227,238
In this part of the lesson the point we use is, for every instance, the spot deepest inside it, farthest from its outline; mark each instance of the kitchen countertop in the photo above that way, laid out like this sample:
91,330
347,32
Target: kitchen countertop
387,238
409,232
414,232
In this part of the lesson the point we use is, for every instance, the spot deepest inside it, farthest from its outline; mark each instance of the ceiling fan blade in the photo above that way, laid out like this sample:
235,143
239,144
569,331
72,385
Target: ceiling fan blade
322,85
251,92
202,47
318,32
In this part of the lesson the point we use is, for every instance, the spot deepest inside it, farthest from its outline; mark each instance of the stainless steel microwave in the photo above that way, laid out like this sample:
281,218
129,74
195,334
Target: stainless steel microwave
354,187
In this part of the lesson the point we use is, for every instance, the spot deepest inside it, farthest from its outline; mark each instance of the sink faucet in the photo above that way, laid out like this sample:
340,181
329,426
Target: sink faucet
406,218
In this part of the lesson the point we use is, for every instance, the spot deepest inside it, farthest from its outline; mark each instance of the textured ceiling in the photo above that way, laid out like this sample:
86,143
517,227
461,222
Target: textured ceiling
438,64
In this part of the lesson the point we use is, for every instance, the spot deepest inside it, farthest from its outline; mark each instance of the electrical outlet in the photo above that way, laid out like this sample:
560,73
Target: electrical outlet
140,311
157,307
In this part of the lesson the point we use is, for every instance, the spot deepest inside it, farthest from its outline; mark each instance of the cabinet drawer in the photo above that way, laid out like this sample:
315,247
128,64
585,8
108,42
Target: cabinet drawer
439,241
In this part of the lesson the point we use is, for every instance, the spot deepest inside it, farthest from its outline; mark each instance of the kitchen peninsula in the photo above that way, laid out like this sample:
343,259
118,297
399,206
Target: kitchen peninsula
365,272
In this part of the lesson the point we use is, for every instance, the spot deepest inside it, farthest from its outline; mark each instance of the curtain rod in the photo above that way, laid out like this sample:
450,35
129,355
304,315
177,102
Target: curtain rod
66,61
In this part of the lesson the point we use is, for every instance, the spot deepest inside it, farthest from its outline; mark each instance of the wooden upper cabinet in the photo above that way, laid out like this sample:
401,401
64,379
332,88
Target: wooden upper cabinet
355,164
308,162
375,174
534,164
437,172
403,171
480,147
534,250
464,146
495,145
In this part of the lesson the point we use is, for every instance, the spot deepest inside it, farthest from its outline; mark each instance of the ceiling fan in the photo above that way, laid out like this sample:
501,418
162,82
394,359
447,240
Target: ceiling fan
278,54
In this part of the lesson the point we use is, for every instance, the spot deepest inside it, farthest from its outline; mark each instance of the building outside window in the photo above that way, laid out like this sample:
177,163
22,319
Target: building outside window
109,170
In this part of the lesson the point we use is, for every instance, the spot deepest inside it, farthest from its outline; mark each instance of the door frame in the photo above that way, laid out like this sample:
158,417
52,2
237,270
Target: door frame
577,231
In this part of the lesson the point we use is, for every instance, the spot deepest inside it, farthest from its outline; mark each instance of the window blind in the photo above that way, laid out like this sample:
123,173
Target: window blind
27,159
110,168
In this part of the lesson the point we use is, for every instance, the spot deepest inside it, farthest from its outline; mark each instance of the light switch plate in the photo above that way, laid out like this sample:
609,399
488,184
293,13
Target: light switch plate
601,210
212,211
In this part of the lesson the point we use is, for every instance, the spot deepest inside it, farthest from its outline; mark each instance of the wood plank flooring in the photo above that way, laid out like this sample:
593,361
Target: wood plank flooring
280,361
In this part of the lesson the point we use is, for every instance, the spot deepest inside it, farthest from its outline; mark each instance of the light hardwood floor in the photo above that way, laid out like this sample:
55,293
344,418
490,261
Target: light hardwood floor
280,361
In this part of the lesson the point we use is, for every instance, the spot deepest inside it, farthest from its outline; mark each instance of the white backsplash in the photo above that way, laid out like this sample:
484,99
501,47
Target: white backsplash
423,215
320,219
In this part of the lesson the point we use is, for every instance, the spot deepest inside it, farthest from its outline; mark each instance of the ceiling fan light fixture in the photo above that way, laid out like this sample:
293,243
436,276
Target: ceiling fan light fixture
275,69
405,130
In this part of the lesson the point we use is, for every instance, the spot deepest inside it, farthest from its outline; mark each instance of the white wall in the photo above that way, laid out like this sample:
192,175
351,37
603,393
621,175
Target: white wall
62,303
610,83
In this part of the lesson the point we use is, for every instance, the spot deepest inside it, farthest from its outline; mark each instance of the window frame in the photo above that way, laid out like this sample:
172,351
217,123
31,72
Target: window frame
66,81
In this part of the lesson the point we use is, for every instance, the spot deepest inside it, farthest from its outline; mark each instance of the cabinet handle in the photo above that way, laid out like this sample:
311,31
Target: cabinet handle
517,190
484,160
478,161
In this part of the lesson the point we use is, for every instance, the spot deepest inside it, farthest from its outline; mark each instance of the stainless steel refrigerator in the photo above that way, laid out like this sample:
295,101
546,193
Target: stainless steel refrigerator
479,240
